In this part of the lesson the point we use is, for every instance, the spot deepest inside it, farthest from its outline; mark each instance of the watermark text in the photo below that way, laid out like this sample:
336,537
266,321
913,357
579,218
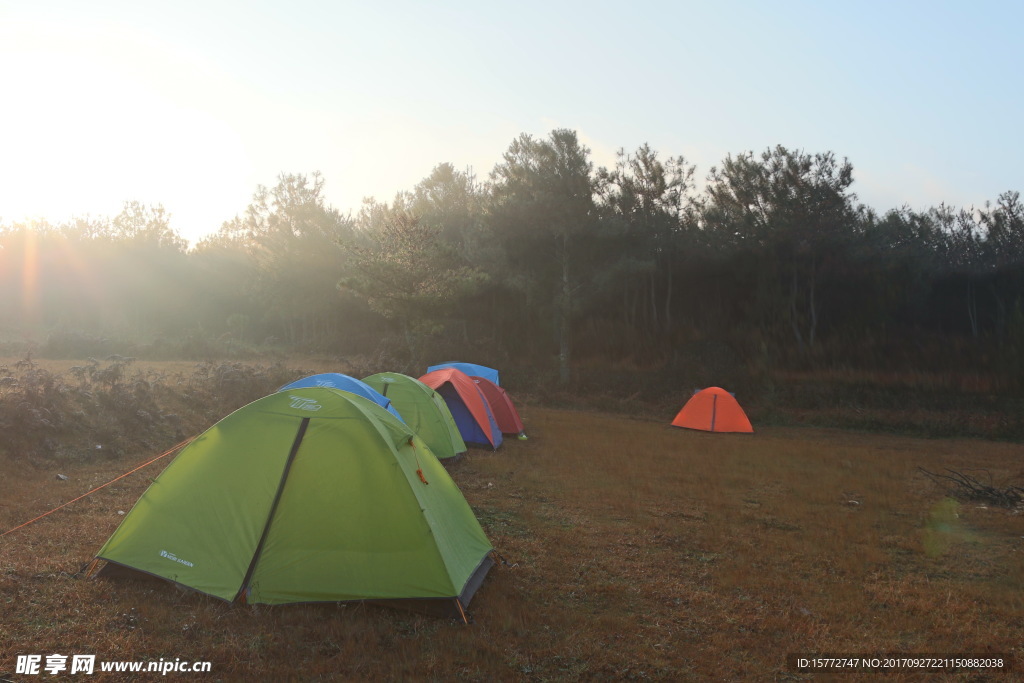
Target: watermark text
35,665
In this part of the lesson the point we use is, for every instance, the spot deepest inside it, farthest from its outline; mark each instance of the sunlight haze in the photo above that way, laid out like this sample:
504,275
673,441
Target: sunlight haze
192,106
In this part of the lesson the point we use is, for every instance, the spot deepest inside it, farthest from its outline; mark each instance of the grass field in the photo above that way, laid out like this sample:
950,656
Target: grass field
640,552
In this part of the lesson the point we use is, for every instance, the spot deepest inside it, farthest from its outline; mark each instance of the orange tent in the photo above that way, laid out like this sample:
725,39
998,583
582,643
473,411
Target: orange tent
713,410
467,404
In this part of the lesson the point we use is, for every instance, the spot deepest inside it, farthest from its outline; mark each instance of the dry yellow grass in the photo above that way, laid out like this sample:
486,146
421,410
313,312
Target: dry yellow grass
643,552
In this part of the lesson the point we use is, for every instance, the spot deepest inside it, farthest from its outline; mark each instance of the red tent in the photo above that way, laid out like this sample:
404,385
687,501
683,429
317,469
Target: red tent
505,413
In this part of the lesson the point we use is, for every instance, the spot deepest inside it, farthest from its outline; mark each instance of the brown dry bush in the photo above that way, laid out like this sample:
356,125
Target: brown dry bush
111,408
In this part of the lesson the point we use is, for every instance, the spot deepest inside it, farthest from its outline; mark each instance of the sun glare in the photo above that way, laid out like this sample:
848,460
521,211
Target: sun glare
108,117
30,280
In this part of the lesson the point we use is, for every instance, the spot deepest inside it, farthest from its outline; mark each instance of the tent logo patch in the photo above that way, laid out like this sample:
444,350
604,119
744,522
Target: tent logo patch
174,558
304,403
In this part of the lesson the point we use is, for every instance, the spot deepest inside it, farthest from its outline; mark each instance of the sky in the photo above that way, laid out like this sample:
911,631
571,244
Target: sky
194,104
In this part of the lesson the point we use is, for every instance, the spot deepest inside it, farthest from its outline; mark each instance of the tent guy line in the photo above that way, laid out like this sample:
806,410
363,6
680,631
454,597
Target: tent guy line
89,493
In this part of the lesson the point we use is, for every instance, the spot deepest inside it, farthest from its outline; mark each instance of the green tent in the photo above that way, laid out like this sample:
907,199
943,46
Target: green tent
424,410
311,495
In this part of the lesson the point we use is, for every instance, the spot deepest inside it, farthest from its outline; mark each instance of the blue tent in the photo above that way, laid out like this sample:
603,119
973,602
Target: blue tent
341,382
471,369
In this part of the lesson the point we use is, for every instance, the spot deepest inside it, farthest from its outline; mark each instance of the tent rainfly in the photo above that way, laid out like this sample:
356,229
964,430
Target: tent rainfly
468,406
307,495
336,380
424,410
713,410
471,369
505,414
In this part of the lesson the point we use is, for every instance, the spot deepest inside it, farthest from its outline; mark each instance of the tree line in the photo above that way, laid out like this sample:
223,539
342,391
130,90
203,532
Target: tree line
553,263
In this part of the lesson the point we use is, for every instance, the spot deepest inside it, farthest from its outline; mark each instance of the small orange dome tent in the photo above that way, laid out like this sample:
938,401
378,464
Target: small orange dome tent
713,410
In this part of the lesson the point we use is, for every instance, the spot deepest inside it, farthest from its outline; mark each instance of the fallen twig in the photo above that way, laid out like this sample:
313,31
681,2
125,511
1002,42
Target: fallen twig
966,487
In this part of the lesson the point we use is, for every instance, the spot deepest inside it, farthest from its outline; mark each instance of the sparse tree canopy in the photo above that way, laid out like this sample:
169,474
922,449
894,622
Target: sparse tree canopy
543,212
407,273
554,263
